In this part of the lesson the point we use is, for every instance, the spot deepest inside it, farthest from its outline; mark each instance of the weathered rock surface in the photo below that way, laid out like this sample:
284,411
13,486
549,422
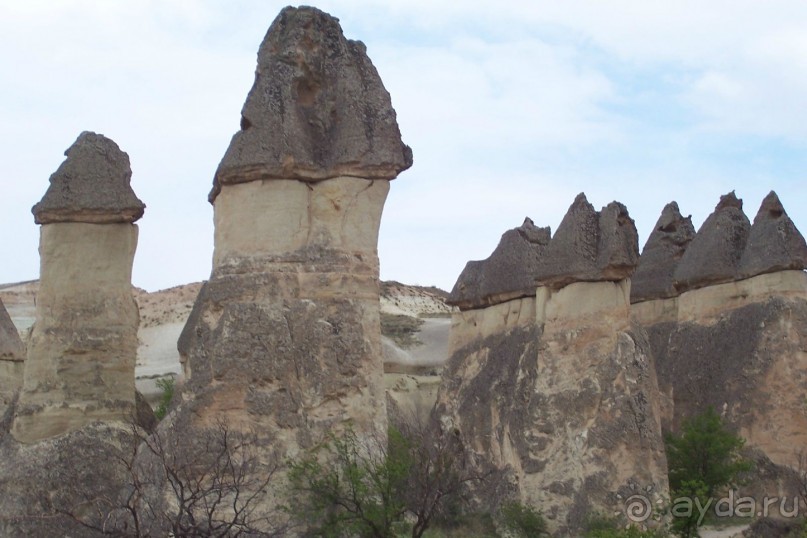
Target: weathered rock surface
714,254
508,273
557,395
81,354
774,242
48,483
590,246
284,339
91,185
741,347
317,109
12,355
653,278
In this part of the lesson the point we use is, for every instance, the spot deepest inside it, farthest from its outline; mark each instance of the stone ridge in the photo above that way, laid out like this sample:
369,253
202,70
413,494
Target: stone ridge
11,346
663,250
508,273
774,242
92,185
317,109
713,256
590,246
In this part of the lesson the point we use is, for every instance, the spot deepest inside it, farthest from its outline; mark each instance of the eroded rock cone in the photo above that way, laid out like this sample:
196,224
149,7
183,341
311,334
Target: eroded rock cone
509,272
590,246
81,354
284,339
714,254
317,109
774,242
663,250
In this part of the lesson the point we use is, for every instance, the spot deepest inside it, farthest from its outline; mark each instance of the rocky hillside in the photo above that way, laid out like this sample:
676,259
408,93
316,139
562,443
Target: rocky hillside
415,325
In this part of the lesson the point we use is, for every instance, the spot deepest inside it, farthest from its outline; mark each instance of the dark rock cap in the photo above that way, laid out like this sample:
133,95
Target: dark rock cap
714,254
508,273
91,185
666,245
774,243
11,346
590,246
317,109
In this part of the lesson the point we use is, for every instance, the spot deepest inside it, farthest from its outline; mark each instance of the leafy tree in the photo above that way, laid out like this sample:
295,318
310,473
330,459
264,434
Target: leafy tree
522,520
702,459
706,451
368,486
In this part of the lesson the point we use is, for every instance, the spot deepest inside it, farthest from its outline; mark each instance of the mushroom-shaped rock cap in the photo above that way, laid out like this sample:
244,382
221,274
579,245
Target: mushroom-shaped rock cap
666,245
508,273
774,243
590,246
11,347
91,185
714,255
317,109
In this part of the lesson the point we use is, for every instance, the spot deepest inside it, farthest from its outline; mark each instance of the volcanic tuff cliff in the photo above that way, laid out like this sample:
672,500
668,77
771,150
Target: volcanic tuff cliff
284,338
739,345
556,391
72,424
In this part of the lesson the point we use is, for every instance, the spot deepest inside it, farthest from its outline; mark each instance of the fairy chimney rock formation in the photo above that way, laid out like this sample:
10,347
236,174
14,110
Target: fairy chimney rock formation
317,109
12,355
663,250
713,256
286,333
81,354
774,242
508,273
590,246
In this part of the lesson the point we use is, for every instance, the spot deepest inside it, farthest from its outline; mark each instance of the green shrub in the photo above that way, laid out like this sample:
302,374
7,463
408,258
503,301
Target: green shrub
522,520
166,384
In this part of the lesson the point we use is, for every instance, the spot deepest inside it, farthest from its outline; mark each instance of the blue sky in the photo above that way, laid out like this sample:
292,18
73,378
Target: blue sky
511,109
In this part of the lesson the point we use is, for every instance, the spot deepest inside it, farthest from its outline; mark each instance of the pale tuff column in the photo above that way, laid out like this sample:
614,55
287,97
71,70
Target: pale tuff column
12,357
285,336
81,356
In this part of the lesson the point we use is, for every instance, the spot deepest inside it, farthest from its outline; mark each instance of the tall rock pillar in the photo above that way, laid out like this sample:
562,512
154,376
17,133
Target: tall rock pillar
285,337
81,355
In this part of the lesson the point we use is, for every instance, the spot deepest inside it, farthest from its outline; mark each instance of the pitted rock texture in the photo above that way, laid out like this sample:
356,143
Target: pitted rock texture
590,246
91,185
508,273
774,243
561,405
317,109
71,474
714,254
663,250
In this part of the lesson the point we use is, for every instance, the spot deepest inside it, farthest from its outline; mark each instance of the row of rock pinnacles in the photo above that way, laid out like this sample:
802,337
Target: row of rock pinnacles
592,246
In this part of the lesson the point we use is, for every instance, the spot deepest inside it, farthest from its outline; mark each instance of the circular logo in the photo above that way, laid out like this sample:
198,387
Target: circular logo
638,508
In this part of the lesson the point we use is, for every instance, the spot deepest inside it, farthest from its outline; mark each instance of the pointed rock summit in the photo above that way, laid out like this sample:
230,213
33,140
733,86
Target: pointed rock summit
774,243
714,255
590,246
317,109
666,245
508,273
92,185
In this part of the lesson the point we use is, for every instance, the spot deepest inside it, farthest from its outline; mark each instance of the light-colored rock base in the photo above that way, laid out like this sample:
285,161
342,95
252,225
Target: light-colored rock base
284,339
470,325
81,353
